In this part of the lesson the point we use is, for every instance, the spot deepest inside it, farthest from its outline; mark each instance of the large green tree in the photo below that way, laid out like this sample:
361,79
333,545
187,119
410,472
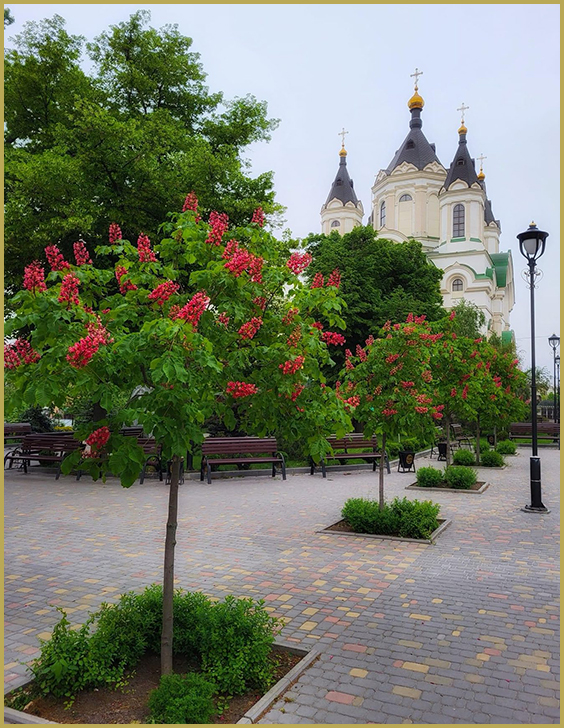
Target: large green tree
380,280
122,142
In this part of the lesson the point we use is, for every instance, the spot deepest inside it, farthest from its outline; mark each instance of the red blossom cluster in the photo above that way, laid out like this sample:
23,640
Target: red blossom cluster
223,318
415,319
452,315
334,279
96,442
195,307
421,410
497,381
317,325
291,366
407,385
239,260
298,262
298,389
258,217
397,368
318,281
453,392
190,203
249,329
56,258
362,355
290,316
370,340
81,353
69,290
353,401
81,254
241,389
163,292
34,277
125,285
295,336
260,301
427,376
378,390
424,399
465,392
392,358
18,353
331,337
97,333
146,253
219,223
389,411
114,233
431,337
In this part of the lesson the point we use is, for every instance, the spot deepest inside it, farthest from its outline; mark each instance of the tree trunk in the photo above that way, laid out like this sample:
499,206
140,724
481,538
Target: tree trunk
447,427
381,474
478,441
168,577
495,437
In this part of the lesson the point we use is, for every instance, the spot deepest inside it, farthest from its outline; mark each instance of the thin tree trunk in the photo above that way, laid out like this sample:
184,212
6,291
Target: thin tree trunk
478,441
381,474
495,437
447,426
168,577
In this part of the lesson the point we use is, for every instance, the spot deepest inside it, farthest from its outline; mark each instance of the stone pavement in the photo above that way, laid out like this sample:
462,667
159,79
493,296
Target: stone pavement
463,631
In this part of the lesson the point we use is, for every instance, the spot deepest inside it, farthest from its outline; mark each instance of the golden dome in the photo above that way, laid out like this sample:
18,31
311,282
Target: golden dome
462,129
416,101
481,175
343,152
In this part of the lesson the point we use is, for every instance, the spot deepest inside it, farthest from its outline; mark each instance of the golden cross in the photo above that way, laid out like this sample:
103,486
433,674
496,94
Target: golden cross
462,109
342,134
416,74
481,159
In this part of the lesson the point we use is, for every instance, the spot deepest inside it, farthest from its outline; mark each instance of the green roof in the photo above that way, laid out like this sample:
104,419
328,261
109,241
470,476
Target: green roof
501,263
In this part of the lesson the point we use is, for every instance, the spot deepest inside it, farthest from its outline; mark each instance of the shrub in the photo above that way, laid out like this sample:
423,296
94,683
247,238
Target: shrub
235,641
429,477
492,459
460,477
182,699
464,457
37,417
506,447
411,519
484,445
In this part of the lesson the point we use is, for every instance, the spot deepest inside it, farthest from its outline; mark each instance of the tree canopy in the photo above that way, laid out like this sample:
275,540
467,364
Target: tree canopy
381,280
123,142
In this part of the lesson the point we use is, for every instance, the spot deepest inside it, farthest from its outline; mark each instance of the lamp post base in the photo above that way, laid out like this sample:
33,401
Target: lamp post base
535,509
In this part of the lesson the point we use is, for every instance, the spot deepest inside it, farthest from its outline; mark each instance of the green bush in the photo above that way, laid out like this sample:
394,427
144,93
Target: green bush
410,519
492,459
506,447
182,699
37,417
429,477
460,477
464,457
484,445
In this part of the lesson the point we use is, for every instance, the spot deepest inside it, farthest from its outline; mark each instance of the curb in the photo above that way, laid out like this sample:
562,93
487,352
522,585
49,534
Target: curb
414,486
444,523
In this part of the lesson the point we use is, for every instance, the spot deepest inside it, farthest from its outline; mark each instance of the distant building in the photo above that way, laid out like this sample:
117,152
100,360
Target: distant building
446,209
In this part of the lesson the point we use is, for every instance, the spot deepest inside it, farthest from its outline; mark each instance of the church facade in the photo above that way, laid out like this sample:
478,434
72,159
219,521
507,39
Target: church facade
445,208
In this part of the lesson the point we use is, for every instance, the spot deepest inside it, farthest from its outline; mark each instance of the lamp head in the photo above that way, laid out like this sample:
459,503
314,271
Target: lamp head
554,341
532,242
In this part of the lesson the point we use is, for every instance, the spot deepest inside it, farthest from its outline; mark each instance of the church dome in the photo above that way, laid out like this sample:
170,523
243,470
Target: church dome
416,101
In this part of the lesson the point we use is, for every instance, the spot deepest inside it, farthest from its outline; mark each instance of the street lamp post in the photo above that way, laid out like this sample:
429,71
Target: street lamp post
531,245
554,341
557,362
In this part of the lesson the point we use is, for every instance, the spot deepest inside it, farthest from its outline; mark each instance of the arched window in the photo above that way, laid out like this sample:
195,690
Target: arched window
335,223
406,198
458,221
383,214
458,284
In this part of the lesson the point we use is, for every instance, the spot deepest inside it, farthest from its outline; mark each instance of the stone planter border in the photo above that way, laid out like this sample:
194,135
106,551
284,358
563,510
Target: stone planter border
251,716
414,486
444,523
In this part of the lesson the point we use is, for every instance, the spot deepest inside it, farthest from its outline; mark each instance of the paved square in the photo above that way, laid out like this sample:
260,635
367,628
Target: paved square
463,631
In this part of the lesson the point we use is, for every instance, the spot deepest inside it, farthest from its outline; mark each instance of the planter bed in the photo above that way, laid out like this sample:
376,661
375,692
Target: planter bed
129,705
478,487
341,528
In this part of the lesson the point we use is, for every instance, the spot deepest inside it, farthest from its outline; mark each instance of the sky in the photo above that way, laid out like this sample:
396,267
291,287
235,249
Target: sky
323,67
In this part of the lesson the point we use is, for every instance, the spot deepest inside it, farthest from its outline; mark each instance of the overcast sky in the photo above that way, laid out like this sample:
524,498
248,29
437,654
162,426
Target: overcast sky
322,67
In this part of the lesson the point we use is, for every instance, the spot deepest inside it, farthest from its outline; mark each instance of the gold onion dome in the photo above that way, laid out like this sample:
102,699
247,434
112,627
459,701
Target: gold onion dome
462,129
416,101
481,175
343,152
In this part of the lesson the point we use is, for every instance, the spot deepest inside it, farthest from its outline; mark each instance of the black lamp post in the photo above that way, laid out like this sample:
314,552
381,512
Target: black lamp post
557,362
531,246
554,341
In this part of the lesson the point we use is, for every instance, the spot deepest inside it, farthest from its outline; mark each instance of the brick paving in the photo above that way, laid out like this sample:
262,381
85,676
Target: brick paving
463,631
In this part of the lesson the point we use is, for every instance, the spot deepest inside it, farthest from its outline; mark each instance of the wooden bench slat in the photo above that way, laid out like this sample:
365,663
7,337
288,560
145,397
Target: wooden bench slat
241,447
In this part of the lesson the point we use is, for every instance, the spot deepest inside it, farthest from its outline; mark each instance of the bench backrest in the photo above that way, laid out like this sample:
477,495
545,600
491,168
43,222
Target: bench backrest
551,428
16,428
238,445
149,446
132,431
355,440
50,441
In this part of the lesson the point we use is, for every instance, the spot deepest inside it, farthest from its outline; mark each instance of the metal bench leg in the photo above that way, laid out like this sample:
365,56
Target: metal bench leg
208,469
323,470
283,469
387,461
142,476
202,469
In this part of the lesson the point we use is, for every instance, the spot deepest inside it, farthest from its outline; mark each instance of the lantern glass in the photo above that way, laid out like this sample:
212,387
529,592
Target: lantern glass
531,245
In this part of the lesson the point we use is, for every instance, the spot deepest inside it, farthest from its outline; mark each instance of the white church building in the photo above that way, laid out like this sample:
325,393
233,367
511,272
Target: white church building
445,208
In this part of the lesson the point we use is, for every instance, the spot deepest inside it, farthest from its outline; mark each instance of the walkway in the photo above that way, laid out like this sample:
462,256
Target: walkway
465,631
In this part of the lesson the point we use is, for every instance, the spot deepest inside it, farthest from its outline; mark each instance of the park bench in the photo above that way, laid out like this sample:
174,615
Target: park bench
50,447
151,449
458,438
369,451
545,430
240,451
15,430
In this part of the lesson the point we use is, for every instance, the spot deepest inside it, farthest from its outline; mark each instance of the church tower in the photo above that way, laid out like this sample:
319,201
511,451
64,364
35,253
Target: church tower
342,210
